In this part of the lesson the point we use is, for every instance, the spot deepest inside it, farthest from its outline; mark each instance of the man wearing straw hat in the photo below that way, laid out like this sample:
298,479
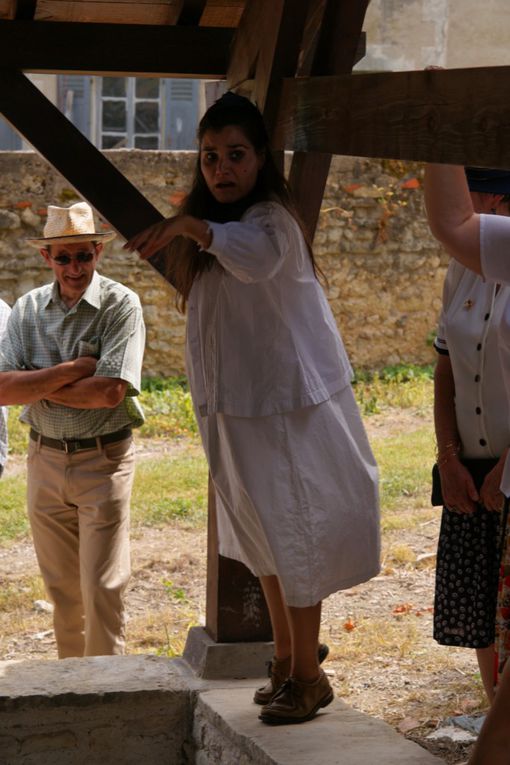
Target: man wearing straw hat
72,354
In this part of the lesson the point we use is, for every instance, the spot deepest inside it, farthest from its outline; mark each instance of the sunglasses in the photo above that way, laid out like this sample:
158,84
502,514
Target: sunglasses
80,257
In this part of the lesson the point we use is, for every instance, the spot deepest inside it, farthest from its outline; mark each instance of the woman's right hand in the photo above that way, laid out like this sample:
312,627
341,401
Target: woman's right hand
459,491
152,239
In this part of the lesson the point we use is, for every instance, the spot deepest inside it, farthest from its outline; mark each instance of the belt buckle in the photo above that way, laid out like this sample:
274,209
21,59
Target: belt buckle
70,445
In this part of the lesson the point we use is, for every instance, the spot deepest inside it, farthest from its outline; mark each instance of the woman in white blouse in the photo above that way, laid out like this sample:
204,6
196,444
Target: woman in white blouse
295,480
472,418
481,243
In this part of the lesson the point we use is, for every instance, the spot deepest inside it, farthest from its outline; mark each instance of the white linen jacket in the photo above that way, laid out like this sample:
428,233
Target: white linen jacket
261,337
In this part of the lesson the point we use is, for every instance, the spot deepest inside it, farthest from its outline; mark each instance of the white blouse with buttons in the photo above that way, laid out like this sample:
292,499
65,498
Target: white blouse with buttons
495,258
469,332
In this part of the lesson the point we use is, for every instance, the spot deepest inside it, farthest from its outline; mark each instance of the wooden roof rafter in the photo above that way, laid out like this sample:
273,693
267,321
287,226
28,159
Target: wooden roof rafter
155,50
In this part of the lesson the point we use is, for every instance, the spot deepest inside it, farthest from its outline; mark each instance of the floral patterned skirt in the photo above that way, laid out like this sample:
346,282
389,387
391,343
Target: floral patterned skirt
502,643
467,571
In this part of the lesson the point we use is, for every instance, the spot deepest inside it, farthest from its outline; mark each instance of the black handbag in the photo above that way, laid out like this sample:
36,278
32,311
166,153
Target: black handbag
478,469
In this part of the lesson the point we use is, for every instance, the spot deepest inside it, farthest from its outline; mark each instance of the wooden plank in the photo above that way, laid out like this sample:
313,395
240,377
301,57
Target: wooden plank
111,12
336,45
7,9
459,116
64,147
222,13
87,48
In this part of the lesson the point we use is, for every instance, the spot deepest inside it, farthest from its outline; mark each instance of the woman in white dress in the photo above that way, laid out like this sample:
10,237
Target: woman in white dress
482,243
295,480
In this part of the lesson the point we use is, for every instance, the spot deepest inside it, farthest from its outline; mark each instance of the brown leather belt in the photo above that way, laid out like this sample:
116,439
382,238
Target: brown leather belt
70,445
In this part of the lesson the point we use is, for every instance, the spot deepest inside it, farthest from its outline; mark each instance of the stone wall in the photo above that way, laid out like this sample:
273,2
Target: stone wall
384,270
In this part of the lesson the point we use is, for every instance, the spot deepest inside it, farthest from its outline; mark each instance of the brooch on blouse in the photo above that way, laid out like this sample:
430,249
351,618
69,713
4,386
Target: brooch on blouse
468,304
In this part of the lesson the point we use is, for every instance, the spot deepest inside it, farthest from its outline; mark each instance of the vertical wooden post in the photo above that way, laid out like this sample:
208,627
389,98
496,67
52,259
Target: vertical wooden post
266,49
235,606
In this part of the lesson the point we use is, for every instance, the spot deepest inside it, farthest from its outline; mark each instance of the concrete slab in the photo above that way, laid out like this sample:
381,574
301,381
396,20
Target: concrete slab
226,729
225,660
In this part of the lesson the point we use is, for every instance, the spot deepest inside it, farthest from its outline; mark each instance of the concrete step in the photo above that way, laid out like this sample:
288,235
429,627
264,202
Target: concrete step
227,731
129,710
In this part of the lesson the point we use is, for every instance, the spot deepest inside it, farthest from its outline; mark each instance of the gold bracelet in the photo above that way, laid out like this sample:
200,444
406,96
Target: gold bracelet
445,457
448,448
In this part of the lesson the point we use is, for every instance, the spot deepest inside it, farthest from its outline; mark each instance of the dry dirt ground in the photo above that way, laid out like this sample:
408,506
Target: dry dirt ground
383,660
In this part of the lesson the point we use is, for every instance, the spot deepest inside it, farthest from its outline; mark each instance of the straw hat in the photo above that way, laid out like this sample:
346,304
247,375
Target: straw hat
70,224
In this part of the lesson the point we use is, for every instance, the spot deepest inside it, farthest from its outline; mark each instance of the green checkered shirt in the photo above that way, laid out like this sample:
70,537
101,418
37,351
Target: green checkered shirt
107,322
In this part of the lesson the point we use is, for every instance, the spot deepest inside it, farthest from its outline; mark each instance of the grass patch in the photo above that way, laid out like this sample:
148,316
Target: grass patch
388,636
405,465
13,517
399,387
22,594
169,489
168,408
18,432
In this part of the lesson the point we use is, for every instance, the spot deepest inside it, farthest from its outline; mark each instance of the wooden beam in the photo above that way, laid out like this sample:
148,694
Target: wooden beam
115,49
84,166
336,48
257,29
7,9
339,39
191,12
266,47
285,58
25,9
459,116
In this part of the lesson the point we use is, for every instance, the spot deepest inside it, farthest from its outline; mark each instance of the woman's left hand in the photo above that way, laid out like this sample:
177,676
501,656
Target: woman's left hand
490,495
154,238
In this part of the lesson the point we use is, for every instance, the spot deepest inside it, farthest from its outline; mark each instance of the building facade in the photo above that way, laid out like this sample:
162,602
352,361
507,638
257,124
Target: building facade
121,112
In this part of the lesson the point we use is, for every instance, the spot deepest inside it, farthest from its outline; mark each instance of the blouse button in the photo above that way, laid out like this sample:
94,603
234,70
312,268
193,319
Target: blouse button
486,317
477,378
483,442
478,410
479,347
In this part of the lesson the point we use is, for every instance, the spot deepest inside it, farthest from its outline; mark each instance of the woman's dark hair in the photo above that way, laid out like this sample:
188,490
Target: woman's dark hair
184,261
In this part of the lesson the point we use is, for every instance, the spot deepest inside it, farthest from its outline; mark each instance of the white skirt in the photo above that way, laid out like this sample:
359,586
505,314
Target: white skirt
297,496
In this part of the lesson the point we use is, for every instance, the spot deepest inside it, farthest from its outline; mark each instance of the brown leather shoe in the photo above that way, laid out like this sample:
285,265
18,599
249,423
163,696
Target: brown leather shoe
297,702
278,672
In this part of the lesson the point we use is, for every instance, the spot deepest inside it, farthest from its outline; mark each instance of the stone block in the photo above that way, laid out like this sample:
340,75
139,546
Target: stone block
108,710
225,660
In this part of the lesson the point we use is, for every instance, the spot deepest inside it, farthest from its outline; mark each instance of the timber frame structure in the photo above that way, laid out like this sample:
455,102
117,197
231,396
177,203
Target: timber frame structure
294,58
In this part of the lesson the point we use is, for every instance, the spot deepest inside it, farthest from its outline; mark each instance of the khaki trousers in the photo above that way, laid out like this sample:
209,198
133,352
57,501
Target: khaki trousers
78,506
